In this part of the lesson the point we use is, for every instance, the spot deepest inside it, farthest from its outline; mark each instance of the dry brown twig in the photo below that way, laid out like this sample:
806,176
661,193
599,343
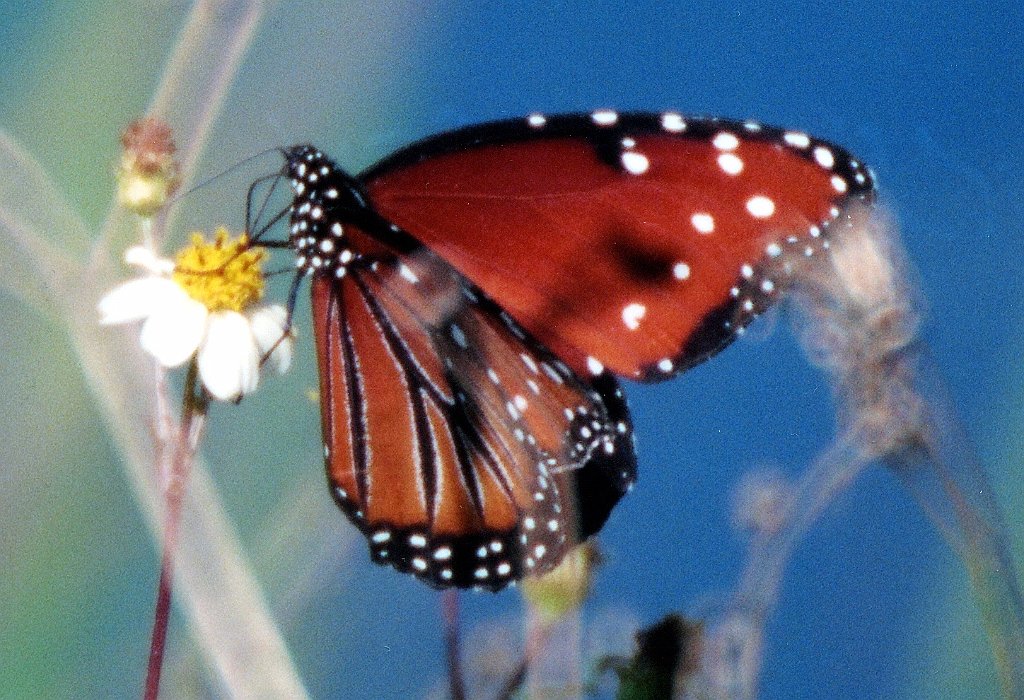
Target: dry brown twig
860,325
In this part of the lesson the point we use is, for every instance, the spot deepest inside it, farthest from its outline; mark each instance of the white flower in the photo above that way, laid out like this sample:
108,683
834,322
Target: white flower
228,344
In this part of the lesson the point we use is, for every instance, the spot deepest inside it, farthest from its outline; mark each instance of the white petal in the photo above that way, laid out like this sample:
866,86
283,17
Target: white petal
137,299
148,260
174,329
268,327
229,360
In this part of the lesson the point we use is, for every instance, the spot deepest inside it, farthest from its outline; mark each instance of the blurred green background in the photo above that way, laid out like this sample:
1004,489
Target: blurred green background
875,605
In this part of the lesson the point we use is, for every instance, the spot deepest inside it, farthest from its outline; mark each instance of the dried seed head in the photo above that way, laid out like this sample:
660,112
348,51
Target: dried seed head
148,173
759,502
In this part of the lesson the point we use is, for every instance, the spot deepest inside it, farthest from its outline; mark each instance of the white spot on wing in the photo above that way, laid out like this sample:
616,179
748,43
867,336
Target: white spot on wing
635,163
760,207
703,222
725,141
681,271
672,122
406,272
730,163
604,117
528,361
632,314
458,336
796,138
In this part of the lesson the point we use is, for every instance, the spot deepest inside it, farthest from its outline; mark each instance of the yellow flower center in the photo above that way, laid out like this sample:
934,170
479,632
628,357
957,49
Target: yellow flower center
226,274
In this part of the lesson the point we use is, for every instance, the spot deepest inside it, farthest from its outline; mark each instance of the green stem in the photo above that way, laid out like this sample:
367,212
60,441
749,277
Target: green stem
945,476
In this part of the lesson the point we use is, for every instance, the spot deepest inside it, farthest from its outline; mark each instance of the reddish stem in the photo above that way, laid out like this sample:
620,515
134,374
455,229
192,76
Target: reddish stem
193,410
162,614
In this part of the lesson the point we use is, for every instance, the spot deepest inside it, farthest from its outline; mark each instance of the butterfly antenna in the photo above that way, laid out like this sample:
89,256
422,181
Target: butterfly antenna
229,169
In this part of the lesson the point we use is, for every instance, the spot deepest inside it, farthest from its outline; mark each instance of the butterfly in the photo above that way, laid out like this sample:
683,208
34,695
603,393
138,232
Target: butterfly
477,294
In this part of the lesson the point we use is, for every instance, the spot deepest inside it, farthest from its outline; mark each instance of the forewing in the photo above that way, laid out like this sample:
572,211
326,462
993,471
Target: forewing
643,242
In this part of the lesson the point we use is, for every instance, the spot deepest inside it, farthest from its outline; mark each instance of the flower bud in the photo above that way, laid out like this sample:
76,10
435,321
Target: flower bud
564,588
148,174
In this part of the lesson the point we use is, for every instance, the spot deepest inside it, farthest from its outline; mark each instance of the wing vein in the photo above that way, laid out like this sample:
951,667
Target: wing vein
425,445
356,399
